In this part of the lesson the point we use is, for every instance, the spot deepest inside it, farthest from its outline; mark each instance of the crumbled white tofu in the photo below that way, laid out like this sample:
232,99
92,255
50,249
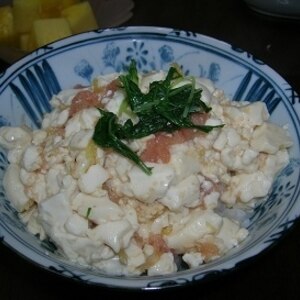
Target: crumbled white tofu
91,180
114,106
53,181
149,188
185,161
245,187
32,158
165,265
97,209
248,156
115,234
15,190
199,224
270,138
231,234
101,210
77,225
38,190
135,257
221,141
207,87
193,259
233,138
84,119
211,200
81,139
159,223
55,211
186,193
57,117
255,113
63,98
272,164
14,137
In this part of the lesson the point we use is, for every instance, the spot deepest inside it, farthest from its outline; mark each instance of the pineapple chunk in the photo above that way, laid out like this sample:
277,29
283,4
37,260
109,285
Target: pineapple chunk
49,9
24,41
7,32
27,42
29,24
25,12
31,44
52,8
46,31
80,17
66,3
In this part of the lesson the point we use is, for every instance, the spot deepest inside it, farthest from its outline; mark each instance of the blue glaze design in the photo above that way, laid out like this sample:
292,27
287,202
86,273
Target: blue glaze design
44,83
110,55
35,88
48,245
183,33
62,270
26,105
4,121
293,96
84,70
259,90
139,53
167,283
256,60
214,72
50,76
166,54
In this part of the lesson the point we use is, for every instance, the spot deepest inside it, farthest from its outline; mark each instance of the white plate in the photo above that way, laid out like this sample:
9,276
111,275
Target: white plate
27,86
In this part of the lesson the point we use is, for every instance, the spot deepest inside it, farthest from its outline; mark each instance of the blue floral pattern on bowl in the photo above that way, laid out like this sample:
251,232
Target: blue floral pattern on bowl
27,87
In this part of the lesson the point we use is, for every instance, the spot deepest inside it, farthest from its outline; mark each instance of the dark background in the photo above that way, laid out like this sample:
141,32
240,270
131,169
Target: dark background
275,274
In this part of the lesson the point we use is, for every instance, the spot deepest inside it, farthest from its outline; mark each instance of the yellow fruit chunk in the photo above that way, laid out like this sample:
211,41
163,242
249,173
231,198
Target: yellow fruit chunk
65,3
49,9
24,41
80,17
46,31
7,33
27,42
28,24
25,12
52,8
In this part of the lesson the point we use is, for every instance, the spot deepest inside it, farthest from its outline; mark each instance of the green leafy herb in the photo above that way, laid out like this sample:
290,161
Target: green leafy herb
106,136
166,107
124,108
88,212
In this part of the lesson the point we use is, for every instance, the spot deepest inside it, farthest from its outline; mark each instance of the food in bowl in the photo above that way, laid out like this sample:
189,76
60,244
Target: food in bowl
138,171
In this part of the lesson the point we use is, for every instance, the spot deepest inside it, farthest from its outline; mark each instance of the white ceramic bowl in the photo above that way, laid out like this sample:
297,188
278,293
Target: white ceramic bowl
276,8
27,86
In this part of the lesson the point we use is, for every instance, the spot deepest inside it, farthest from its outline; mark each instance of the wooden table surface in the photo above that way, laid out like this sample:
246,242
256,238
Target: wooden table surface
275,274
